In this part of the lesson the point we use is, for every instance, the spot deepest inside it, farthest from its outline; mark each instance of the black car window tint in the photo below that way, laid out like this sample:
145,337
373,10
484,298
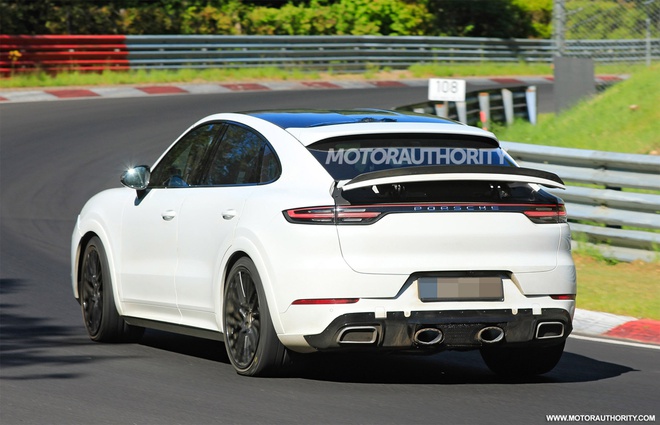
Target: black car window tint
347,157
180,166
239,159
270,166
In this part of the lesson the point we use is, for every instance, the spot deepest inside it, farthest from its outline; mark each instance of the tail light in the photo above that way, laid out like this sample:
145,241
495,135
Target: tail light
367,214
332,215
542,214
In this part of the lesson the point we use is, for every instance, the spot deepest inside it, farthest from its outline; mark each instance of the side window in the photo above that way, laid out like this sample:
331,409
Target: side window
242,157
181,165
270,166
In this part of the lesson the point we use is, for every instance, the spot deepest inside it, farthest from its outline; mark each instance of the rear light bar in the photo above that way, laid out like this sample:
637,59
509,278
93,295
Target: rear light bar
321,301
332,215
543,214
367,214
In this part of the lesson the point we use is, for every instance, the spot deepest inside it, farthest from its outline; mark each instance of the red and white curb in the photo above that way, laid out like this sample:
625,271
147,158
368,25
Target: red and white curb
606,325
174,89
42,95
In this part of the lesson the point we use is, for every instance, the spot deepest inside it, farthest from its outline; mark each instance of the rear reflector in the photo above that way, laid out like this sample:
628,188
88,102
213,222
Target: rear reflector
563,297
317,301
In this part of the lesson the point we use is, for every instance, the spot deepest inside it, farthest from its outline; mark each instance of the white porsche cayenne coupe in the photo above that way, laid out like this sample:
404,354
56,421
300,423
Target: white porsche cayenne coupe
305,230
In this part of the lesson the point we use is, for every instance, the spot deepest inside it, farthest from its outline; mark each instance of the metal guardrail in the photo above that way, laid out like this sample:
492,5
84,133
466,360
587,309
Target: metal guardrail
482,107
345,53
56,53
602,209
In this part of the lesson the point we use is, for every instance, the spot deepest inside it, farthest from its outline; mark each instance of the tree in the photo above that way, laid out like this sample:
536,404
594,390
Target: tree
481,18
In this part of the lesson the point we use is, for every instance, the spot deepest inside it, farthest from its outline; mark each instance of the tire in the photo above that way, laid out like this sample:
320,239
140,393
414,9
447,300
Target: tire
250,339
518,362
97,302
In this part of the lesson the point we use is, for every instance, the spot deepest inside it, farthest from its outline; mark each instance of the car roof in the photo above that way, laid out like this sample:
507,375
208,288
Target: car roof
308,118
310,125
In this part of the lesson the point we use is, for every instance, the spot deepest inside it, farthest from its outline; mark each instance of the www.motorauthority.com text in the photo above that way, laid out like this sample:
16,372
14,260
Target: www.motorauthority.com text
600,418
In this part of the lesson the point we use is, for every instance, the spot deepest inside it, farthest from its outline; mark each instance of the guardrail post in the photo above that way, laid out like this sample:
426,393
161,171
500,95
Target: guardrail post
530,96
442,109
484,109
507,101
461,111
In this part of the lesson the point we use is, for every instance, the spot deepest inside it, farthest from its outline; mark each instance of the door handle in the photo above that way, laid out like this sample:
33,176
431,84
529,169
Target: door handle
229,214
168,215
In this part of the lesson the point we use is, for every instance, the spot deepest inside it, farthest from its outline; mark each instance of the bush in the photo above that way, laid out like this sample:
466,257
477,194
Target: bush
225,20
487,18
381,17
477,18
291,19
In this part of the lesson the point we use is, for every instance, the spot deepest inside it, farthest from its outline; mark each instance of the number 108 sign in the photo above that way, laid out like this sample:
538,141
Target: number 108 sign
446,90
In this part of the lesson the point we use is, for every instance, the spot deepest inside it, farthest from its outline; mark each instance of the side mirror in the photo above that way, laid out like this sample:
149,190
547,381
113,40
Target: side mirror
136,178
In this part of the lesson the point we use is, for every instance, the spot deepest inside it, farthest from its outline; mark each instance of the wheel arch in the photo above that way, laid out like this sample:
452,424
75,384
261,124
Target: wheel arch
245,248
86,236
82,243
100,217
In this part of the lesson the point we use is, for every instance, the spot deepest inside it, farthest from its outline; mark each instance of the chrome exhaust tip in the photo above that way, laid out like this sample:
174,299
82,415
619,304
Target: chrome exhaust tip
358,335
491,335
548,330
428,336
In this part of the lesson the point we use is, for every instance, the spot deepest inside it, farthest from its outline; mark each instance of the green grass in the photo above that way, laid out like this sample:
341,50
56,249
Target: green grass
479,69
42,79
629,289
64,79
445,69
624,118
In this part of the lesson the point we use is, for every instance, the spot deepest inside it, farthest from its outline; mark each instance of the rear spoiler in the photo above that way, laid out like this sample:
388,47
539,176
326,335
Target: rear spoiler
453,172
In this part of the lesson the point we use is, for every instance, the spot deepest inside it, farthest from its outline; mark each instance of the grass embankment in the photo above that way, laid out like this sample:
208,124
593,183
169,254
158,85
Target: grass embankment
629,289
624,118
608,122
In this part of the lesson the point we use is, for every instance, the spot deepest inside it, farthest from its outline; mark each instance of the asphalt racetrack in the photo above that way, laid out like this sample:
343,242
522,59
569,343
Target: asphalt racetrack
55,155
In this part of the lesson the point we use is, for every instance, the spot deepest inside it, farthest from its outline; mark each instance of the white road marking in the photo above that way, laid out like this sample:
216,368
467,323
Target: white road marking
616,342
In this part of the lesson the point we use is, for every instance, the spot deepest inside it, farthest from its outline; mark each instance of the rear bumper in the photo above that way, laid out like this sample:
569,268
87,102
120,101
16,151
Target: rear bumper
458,330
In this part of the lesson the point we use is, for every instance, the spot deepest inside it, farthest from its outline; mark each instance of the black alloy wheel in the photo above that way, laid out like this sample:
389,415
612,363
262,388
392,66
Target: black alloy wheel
91,294
250,339
242,318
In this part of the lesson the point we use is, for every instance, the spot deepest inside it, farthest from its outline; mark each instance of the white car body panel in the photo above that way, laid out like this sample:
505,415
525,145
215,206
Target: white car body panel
206,227
101,216
148,239
408,243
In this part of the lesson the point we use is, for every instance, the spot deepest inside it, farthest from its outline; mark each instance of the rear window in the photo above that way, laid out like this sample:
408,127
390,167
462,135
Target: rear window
347,157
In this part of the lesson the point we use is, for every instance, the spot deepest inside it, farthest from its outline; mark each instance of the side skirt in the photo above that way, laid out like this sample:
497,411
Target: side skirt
174,328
